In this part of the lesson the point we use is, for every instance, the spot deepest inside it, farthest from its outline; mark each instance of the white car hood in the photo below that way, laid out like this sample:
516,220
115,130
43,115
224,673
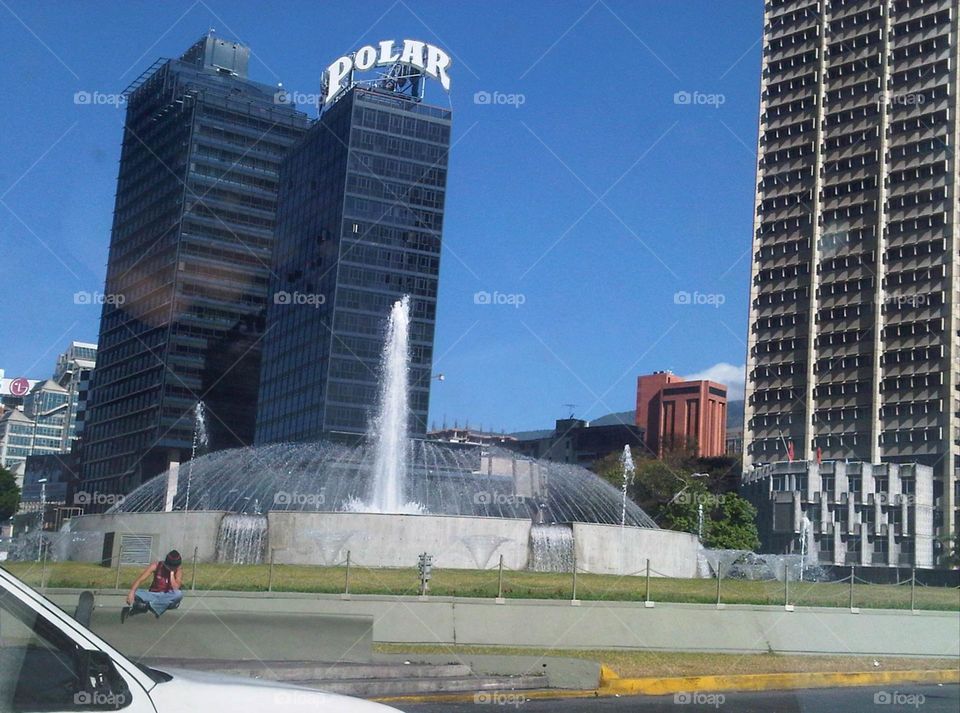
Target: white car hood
192,691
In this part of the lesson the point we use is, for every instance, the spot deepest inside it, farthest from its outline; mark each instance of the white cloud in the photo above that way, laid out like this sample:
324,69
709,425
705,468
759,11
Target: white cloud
730,375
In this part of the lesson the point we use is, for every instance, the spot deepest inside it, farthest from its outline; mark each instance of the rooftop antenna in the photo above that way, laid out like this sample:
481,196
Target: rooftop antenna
570,408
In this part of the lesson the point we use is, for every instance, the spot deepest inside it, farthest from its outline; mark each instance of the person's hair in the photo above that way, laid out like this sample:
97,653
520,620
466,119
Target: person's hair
173,559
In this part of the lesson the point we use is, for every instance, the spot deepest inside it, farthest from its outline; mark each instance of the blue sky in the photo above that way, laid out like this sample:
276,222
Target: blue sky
607,205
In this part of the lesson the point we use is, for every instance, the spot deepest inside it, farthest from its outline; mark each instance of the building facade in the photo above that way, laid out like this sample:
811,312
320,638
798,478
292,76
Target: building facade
74,372
189,256
845,513
676,413
574,441
360,225
853,331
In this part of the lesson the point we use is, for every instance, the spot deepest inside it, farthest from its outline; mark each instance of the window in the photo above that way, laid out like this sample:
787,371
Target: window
39,664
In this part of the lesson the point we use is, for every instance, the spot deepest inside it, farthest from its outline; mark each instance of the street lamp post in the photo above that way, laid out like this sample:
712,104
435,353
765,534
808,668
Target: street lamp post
43,507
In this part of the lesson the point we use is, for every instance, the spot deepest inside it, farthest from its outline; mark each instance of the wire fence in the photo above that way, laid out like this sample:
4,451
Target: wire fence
346,577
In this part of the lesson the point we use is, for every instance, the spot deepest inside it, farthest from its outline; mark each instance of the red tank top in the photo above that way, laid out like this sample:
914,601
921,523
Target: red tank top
162,579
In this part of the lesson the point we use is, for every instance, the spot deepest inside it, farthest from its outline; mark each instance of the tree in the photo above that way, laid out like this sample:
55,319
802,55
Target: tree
736,528
9,494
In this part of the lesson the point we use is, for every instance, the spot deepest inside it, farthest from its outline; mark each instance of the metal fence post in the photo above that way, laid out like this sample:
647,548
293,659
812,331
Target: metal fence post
719,577
116,584
913,589
43,569
500,580
646,596
574,600
786,585
270,576
346,582
193,574
851,587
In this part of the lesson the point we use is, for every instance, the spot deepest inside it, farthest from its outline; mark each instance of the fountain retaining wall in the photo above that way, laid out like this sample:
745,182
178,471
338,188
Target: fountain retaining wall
609,549
374,540
396,540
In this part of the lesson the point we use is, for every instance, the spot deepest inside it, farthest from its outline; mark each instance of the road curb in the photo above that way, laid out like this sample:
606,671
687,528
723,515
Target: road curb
613,685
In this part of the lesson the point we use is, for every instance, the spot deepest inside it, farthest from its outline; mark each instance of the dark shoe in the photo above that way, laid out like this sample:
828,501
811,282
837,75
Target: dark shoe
84,608
124,613
139,607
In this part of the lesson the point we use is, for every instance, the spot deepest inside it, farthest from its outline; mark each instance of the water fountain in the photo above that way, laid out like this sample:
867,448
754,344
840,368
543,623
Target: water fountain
200,443
242,539
629,469
551,548
393,496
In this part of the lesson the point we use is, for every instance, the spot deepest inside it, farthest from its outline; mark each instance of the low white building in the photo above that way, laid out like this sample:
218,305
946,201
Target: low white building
845,513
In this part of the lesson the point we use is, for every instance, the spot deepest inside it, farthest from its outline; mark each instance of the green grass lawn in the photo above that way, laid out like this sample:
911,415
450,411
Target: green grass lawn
638,664
484,584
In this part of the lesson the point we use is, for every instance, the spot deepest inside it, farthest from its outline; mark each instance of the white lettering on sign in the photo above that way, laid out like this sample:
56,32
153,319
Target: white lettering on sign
431,60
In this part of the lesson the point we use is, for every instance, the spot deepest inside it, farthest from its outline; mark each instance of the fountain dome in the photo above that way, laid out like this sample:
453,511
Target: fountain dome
441,479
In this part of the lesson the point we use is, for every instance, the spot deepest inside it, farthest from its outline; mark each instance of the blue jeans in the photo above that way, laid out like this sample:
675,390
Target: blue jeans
159,602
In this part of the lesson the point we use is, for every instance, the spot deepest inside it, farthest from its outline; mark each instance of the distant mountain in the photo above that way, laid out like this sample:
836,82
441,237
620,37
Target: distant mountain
735,414
613,419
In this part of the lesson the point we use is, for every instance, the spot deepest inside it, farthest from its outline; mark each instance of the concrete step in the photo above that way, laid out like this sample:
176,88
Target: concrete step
364,680
294,671
375,688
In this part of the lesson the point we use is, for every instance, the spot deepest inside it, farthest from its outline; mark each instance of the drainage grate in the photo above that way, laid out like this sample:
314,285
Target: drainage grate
136,549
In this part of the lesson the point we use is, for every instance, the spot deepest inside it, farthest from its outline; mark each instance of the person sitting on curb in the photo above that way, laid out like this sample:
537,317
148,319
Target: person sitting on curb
164,592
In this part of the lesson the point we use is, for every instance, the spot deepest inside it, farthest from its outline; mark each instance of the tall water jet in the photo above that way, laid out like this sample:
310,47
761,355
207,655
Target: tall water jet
200,443
629,469
389,430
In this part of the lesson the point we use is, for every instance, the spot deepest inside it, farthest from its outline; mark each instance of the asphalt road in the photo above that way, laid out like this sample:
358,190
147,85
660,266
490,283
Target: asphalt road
892,699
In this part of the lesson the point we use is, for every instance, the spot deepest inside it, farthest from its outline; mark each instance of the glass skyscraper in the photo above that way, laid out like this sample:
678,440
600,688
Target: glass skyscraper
189,259
359,226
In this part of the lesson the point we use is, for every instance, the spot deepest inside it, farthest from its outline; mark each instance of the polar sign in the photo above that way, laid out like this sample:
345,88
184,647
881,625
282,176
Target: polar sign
430,60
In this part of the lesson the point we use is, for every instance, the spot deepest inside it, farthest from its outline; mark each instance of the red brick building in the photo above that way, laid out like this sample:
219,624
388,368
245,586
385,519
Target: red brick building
674,412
